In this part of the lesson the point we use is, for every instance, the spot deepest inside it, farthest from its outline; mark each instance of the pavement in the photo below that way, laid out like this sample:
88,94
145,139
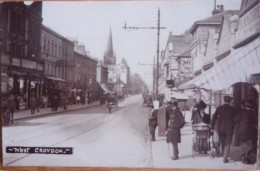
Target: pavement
25,114
162,153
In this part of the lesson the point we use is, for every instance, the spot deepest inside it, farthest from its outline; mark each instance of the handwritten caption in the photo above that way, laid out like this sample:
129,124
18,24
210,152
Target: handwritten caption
40,150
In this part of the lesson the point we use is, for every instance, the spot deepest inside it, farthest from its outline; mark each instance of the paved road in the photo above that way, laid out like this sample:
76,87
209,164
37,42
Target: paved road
97,138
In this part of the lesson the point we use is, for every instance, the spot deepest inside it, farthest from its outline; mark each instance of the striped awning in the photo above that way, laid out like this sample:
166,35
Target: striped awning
237,67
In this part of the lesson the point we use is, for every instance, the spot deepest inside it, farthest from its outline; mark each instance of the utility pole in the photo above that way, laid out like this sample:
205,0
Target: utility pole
153,74
158,28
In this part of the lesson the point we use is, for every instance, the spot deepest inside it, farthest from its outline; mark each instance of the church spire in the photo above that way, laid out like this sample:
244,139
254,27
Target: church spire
110,42
109,56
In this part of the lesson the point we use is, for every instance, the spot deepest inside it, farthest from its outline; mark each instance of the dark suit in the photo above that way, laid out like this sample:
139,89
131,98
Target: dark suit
175,121
225,115
153,123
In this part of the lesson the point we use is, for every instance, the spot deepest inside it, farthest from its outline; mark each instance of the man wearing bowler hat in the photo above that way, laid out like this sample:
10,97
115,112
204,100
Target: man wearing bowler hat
225,115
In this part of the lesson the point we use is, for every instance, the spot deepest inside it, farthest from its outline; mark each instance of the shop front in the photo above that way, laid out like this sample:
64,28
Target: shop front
25,80
237,75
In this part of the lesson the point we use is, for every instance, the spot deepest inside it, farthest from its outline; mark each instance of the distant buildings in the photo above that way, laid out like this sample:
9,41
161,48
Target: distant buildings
118,74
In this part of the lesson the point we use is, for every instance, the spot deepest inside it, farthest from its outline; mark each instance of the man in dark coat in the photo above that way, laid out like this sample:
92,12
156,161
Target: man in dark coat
225,115
153,122
175,123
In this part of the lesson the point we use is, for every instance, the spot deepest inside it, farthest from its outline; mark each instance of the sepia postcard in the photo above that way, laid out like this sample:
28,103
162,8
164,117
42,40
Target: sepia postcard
130,84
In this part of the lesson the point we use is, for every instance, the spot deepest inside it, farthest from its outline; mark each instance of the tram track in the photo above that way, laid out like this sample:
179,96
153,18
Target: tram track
68,138
53,131
69,118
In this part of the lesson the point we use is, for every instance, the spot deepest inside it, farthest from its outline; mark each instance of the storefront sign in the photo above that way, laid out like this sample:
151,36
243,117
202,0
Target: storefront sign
5,59
40,67
15,62
249,24
28,64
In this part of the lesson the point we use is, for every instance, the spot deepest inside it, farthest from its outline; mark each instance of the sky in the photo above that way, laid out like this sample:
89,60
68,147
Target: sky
90,21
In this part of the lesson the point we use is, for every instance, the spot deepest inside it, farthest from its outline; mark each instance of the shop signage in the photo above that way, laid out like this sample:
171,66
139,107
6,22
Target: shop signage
15,62
5,59
40,67
28,64
249,24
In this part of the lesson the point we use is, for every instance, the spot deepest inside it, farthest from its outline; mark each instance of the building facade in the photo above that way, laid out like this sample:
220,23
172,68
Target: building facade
102,73
20,26
235,66
170,62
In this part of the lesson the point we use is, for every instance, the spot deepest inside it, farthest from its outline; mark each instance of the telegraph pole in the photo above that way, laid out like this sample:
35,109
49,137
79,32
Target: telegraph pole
158,28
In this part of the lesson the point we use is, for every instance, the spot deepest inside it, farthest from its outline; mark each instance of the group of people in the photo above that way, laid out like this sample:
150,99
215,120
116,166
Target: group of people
225,122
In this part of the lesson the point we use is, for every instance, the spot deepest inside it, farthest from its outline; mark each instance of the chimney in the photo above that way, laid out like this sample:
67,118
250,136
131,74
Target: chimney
221,8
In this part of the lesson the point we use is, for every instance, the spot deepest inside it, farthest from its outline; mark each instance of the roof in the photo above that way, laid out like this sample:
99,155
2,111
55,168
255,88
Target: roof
181,43
47,29
186,53
212,20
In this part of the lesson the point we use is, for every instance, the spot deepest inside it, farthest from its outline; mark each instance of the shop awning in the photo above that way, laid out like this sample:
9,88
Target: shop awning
55,79
237,67
179,95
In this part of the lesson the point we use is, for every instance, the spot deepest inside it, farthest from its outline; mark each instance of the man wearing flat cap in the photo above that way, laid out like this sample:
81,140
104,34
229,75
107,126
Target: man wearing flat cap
225,115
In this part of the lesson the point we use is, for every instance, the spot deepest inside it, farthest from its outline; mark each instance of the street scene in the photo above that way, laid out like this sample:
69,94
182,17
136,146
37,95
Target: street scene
156,84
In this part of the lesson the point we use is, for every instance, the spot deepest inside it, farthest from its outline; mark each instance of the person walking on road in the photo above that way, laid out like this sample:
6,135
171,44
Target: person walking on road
175,123
225,115
153,122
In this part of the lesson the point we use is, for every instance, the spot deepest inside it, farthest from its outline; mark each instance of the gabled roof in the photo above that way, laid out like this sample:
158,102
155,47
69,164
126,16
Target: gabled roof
212,20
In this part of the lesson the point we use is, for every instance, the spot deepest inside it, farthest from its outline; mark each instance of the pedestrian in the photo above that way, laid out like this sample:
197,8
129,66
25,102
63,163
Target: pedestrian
78,99
11,106
175,123
39,104
201,117
246,130
225,115
153,122
194,111
33,104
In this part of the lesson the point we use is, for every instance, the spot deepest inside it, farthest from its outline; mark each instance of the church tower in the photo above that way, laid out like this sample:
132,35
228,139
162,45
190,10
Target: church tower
109,56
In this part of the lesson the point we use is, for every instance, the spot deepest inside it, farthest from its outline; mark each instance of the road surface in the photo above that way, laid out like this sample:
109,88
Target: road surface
98,138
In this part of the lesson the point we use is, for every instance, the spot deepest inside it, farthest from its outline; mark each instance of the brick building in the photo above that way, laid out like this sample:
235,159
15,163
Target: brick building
20,26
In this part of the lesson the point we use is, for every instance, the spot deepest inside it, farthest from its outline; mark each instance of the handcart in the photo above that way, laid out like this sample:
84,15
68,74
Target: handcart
201,141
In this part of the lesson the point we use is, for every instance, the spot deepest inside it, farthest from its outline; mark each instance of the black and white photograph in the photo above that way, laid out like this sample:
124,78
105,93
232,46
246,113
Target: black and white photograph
130,84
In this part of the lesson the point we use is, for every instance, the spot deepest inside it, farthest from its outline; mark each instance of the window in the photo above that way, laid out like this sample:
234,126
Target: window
55,51
48,47
44,46
52,48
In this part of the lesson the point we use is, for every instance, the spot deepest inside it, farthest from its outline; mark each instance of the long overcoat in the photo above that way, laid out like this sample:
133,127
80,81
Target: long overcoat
175,121
225,115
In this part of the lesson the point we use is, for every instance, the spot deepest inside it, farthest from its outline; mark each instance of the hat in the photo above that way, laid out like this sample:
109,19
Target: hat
202,105
175,104
228,98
